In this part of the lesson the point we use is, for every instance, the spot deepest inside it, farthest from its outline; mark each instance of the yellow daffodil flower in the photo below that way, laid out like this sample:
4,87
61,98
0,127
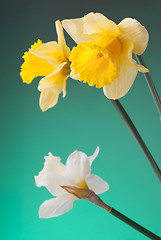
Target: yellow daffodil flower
103,56
50,60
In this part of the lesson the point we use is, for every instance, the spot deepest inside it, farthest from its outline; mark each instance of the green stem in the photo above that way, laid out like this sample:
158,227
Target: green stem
151,85
126,119
134,225
87,194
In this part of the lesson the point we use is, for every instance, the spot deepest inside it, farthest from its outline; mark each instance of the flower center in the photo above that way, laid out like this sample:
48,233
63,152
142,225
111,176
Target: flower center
83,185
99,55
111,45
66,69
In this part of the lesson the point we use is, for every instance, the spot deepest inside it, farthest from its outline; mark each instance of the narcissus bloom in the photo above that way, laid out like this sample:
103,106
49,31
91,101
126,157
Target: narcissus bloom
76,173
103,56
50,60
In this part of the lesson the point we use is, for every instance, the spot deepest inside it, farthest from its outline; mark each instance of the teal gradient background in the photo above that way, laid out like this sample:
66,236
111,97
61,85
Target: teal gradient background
83,120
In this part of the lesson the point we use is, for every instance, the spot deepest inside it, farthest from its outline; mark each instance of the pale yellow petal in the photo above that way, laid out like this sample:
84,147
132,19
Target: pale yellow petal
55,82
126,75
133,31
74,76
89,27
48,100
51,52
61,40
64,92
75,28
98,23
141,68
121,85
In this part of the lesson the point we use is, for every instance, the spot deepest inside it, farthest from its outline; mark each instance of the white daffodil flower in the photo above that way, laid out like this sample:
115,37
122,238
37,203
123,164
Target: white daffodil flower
75,174
103,56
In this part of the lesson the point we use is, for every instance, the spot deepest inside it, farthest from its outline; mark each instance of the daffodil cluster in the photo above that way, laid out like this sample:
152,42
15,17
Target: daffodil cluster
102,57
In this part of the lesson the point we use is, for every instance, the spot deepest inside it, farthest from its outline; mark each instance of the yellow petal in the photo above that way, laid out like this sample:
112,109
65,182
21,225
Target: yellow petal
35,66
51,52
36,44
133,31
93,66
48,100
55,82
61,40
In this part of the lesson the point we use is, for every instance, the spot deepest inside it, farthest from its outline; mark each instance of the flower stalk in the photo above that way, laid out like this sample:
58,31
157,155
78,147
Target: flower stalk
135,225
126,119
89,195
150,84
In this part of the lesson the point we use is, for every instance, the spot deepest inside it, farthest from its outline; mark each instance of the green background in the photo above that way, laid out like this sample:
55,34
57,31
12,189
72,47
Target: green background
83,120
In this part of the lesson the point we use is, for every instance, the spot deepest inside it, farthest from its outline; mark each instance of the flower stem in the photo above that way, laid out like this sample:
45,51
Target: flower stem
151,85
121,111
134,225
91,196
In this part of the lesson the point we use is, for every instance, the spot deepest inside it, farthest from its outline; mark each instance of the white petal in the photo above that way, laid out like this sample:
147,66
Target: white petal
53,183
53,164
56,206
51,52
91,158
47,100
78,166
55,82
61,40
133,31
98,23
97,184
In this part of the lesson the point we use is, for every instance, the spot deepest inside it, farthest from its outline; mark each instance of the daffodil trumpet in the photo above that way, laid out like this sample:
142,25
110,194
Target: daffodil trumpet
89,195
150,84
128,122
